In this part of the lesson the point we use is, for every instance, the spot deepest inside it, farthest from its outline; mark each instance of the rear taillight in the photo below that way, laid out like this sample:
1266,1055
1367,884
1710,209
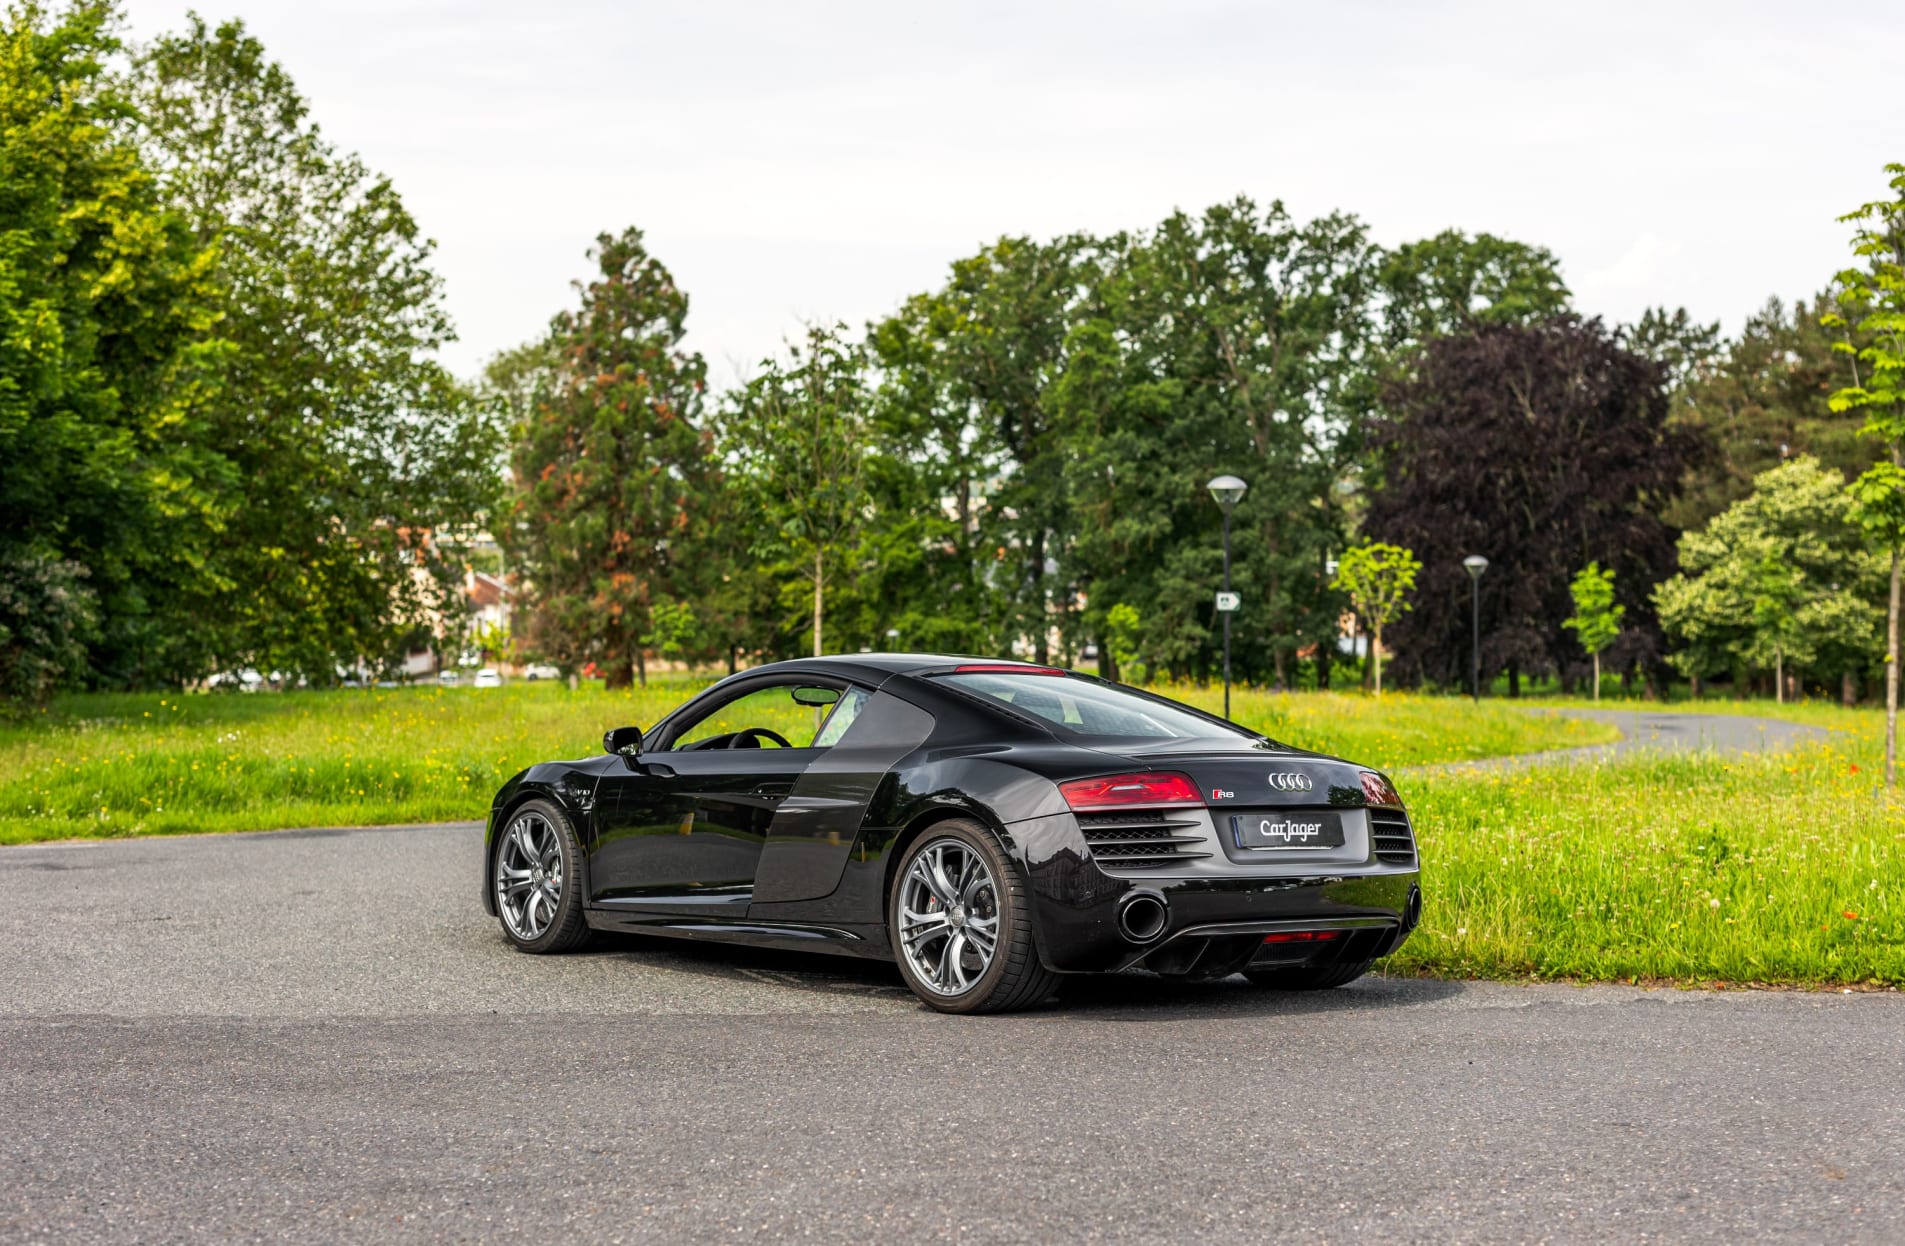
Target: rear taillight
1377,791
1301,936
1126,790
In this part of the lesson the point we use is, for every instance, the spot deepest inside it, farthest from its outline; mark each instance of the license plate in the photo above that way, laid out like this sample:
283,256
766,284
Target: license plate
1280,829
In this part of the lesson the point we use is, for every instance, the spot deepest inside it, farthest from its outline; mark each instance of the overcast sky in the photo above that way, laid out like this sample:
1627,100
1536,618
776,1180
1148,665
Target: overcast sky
797,161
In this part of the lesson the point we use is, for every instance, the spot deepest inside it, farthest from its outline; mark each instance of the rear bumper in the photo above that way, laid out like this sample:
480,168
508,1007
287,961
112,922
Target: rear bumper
1076,906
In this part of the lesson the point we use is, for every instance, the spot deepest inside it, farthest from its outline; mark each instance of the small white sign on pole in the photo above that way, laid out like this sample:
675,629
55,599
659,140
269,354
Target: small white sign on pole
1227,603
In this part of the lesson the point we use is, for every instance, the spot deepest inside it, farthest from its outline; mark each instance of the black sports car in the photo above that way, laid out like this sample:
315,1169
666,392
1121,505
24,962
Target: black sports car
987,825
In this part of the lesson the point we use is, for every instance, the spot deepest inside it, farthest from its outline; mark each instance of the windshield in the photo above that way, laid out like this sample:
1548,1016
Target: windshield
1084,708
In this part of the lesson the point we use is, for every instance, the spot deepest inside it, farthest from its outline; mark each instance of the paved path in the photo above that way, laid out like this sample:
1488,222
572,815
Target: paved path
1658,731
317,1036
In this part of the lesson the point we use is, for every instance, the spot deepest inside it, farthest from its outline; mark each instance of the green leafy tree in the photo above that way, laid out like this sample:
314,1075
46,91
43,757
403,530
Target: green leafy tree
607,465
1874,300
1452,282
359,463
1378,579
1236,340
113,486
1782,579
47,616
798,438
1757,400
1123,628
967,407
1596,620
672,629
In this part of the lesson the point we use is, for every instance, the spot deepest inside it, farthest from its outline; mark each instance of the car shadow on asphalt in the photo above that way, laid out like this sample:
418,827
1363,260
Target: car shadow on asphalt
1134,995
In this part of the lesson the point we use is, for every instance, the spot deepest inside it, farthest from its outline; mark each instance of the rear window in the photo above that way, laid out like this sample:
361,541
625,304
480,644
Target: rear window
1084,708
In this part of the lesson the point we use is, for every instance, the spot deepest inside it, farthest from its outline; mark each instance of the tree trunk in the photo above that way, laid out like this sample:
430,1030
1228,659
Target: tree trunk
1107,664
1779,676
1375,656
818,580
1323,655
641,666
1597,677
1891,681
1848,690
1276,661
1514,680
1693,686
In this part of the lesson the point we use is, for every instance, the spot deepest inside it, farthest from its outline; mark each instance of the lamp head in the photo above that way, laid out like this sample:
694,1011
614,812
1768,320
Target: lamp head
1476,564
1227,490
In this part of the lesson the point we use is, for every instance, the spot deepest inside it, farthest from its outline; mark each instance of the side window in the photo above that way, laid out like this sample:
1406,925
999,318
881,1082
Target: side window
778,716
851,703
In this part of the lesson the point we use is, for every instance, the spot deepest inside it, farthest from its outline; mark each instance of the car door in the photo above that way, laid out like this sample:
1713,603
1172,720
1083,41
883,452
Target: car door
813,831
680,828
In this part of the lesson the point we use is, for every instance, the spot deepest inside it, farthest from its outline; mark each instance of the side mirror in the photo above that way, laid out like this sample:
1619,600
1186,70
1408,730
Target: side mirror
624,740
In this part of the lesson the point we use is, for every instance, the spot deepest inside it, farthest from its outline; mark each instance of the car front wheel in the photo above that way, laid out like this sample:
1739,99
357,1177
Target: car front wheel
534,875
960,924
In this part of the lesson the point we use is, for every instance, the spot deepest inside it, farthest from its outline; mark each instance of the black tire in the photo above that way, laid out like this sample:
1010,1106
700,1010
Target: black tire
568,929
1308,979
1013,978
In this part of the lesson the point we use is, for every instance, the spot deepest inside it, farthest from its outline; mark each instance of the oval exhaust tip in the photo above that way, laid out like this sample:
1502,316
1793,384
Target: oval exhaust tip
1142,916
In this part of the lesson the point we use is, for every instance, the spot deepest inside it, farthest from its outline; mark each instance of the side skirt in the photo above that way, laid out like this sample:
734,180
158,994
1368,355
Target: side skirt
793,936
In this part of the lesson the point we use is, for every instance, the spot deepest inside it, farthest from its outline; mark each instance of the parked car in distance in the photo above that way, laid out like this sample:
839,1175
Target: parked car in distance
486,678
540,670
449,679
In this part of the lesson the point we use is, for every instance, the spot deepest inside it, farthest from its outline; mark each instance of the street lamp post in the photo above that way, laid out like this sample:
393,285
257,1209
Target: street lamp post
1227,491
1476,564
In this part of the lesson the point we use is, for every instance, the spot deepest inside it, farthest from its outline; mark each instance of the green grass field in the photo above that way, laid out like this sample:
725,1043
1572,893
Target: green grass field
1784,868
118,765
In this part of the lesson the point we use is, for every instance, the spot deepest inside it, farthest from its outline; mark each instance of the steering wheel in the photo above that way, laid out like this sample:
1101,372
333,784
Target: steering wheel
752,737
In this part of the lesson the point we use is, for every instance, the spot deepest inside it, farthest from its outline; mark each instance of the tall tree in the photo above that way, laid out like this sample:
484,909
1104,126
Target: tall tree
978,360
1780,580
1452,282
1760,399
112,483
1538,446
361,461
1232,342
940,462
607,465
1874,298
799,436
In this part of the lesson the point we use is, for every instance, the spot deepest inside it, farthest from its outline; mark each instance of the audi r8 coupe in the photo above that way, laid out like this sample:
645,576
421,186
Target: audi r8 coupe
988,826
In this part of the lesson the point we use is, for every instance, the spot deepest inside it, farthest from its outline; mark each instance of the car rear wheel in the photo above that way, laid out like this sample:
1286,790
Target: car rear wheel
961,926
1302,979
534,875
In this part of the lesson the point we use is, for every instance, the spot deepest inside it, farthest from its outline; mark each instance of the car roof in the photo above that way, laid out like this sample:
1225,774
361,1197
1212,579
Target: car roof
875,665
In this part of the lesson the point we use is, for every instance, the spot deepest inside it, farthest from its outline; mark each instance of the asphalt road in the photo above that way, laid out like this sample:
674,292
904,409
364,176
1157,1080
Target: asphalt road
319,1036
1659,731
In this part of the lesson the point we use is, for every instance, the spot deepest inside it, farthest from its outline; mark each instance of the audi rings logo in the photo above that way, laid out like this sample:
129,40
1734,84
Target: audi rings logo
1289,781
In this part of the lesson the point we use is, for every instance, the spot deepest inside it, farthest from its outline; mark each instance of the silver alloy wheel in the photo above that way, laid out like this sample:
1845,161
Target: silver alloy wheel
529,876
949,916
